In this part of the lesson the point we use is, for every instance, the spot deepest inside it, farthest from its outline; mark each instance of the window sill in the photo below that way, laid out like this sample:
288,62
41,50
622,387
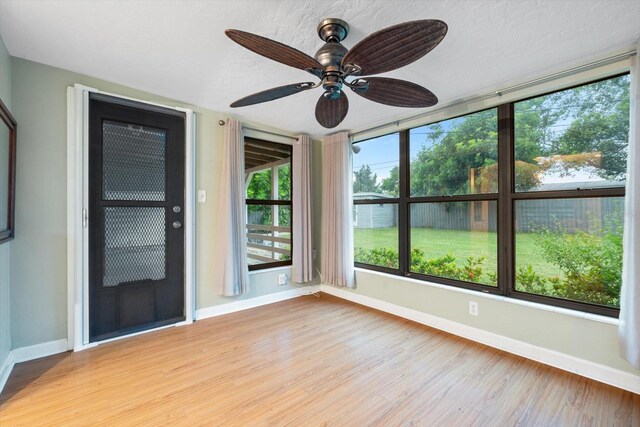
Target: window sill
268,270
535,305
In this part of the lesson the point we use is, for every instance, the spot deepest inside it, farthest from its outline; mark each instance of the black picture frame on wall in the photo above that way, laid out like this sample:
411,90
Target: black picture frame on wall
8,128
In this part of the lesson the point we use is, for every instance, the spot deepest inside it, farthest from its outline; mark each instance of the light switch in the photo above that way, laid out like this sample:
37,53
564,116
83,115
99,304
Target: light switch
202,196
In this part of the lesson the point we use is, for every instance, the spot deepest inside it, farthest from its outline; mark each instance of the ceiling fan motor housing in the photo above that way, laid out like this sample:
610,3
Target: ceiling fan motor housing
330,56
333,30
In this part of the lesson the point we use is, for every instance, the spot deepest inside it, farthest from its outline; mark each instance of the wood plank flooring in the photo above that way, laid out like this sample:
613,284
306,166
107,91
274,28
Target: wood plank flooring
308,361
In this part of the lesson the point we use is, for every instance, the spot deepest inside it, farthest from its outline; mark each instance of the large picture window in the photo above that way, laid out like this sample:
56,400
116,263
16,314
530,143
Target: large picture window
453,183
524,200
570,160
268,194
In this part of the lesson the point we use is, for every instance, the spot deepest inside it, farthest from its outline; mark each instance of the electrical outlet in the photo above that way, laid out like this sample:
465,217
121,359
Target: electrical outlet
202,196
473,308
282,279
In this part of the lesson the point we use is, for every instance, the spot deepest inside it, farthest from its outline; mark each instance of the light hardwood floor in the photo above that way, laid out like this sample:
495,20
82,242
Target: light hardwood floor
306,361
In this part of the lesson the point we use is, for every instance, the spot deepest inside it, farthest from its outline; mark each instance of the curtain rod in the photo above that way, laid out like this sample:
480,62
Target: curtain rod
554,76
222,123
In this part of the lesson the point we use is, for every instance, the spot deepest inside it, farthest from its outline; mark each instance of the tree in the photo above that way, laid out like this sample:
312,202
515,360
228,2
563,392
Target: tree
365,180
260,189
605,133
284,182
391,184
284,193
260,186
582,127
444,164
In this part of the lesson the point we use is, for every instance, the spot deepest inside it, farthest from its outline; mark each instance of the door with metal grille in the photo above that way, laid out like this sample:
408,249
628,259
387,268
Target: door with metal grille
136,215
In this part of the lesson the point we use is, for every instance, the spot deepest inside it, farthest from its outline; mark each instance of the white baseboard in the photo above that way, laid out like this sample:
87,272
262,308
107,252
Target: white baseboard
586,368
5,371
24,354
232,307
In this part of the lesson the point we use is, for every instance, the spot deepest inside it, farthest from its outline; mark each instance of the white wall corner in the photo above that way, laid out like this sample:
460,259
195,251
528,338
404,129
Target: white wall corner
25,354
586,368
5,370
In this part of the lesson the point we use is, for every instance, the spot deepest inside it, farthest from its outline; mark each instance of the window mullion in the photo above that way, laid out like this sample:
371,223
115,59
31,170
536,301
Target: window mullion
505,200
403,205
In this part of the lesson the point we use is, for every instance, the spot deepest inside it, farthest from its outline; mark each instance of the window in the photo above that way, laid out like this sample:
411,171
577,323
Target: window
376,188
453,179
570,161
447,243
268,194
524,200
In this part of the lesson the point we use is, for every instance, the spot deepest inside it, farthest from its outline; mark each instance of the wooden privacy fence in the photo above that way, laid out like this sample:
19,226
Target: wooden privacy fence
585,214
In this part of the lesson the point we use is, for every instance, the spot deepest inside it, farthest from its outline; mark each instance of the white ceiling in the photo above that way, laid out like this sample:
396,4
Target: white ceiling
178,49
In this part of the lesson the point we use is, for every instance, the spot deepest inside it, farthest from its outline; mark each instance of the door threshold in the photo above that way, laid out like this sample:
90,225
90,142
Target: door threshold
133,334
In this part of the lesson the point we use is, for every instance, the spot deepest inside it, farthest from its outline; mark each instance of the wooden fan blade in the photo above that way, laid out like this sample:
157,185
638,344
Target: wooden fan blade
399,93
396,46
271,94
275,50
331,112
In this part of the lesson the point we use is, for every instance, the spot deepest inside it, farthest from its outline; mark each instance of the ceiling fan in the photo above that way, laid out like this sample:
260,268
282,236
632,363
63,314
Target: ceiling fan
385,50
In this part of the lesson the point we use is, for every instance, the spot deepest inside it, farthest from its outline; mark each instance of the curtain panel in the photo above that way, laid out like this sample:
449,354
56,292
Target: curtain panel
337,207
232,272
629,326
302,257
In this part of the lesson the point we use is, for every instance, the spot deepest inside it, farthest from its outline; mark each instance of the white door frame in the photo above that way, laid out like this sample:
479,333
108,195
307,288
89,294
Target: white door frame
77,217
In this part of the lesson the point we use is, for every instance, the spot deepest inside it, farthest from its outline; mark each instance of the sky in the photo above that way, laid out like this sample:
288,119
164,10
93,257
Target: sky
383,153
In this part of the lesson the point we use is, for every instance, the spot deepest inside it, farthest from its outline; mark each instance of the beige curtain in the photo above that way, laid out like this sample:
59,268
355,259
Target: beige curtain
232,272
629,326
337,220
302,257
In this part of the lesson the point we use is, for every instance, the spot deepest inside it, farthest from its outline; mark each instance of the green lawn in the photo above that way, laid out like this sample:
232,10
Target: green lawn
461,244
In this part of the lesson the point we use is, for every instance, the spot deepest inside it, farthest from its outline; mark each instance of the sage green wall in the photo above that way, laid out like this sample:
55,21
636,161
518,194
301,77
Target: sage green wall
39,288
5,249
587,339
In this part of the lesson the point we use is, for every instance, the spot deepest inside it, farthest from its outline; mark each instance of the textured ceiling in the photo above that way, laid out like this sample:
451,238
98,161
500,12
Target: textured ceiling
179,50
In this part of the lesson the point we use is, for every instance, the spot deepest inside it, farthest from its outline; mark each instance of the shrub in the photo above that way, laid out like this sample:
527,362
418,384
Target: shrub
380,256
445,266
591,263
527,280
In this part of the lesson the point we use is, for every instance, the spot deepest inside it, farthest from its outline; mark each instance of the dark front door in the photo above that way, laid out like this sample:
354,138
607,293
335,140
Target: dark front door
136,215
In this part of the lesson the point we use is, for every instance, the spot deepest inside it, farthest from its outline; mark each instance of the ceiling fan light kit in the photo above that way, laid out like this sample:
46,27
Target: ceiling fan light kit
383,51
